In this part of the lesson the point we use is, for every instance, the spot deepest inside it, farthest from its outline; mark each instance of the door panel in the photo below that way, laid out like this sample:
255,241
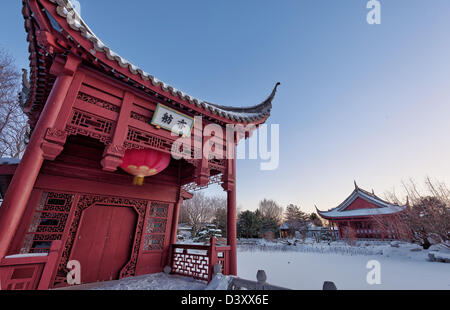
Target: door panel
119,242
103,244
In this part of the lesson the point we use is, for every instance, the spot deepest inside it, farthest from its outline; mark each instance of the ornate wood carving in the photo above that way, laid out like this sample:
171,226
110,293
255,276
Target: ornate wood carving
155,231
86,201
48,222
140,117
98,102
147,140
56,135
87,124
53,143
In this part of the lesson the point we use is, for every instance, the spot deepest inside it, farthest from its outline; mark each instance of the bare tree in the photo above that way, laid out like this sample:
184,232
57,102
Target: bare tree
426,219
269,209
13,123
349,235
200,209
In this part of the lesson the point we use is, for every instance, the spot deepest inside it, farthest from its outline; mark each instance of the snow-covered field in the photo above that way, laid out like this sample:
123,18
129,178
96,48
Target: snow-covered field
308,271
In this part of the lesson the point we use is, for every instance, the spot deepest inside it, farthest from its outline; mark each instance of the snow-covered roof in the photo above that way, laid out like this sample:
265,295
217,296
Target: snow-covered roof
284,226
363,212
311,226
251,114
382,207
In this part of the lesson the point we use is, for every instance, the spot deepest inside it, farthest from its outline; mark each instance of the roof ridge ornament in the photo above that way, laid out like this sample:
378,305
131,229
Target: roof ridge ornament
356,185
26,88
317,209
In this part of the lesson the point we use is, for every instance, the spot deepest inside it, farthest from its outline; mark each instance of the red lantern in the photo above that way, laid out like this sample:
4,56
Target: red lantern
144,163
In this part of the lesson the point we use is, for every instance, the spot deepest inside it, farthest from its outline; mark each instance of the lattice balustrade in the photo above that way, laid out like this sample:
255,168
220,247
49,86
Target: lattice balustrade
223,258
29,272
191,262
197,261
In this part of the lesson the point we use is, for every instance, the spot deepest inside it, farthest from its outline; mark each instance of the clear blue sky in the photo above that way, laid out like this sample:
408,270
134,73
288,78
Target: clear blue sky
357,101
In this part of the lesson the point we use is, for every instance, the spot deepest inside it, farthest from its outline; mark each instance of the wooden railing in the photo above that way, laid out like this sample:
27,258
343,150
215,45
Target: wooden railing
198,261
29,272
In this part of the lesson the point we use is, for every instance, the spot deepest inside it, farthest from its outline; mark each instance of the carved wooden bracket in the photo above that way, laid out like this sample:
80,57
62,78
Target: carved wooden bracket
113,154
112,157
53,143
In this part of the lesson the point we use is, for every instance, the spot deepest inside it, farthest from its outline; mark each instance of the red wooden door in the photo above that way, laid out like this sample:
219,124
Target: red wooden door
104,242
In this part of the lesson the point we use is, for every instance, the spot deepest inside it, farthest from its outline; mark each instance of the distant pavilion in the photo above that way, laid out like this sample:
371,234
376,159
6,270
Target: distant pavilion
358,212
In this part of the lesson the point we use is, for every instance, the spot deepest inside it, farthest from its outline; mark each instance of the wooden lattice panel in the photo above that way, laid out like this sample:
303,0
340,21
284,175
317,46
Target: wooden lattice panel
155,230
87,124
156,226
153,242
147,140
193,187
49,222
186,263
139,139
217,164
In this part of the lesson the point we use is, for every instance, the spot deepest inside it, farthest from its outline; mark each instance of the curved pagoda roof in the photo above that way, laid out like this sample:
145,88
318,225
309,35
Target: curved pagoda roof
70,34
380,206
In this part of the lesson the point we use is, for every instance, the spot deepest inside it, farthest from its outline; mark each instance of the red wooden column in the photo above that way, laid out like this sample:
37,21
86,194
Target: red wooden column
229,185
338,224
25,176
176,212
56,137
212,255
231,228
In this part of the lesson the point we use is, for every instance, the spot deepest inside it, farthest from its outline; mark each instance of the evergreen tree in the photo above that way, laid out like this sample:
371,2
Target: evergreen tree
220,220
295,218
249,224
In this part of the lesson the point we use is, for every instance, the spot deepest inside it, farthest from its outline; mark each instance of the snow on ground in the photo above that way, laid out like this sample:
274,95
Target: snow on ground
157,281
307,266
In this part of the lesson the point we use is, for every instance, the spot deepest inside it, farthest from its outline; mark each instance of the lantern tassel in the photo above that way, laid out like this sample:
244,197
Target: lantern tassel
138,180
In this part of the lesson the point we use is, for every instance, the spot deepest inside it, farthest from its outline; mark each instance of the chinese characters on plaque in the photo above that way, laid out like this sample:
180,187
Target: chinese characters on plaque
172,120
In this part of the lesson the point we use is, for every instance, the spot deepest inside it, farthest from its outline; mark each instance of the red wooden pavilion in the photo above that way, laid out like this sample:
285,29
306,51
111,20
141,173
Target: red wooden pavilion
68,200
357,213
